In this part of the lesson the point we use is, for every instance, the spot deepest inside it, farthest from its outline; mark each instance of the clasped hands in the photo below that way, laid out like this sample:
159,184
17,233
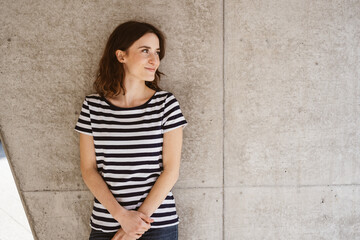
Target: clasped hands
133,225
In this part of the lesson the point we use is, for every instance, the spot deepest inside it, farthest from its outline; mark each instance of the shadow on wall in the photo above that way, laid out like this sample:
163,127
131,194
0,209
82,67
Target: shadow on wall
13,220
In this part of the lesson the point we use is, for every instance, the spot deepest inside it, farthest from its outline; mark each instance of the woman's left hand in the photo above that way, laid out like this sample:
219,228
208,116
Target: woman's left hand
121,235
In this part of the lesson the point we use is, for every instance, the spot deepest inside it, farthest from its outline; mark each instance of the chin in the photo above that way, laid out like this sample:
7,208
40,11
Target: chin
150,79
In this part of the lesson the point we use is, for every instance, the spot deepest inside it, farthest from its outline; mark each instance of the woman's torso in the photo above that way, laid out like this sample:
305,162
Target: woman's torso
128,147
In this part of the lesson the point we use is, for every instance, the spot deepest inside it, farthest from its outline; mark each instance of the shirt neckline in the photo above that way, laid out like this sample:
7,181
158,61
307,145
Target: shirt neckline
130,108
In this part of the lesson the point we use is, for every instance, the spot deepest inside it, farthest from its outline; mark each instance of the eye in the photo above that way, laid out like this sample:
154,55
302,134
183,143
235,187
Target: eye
147,51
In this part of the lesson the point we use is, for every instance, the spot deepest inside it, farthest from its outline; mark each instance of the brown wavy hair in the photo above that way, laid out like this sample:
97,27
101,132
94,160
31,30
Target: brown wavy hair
110,74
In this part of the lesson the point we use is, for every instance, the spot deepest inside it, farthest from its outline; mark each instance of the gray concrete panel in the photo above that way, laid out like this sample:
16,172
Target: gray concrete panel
291,93
303,213
194,67
60,215
200,213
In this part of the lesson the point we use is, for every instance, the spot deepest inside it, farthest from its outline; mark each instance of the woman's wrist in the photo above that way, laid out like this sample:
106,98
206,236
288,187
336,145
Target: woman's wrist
147,212
120,213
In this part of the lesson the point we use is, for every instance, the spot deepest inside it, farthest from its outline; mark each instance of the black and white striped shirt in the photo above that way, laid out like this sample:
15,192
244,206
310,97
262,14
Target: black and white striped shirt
128,147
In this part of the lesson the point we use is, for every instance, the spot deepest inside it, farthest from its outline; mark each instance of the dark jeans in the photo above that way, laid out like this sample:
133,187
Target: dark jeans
167,233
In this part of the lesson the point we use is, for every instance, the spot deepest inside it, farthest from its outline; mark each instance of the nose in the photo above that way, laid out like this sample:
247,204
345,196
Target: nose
154,58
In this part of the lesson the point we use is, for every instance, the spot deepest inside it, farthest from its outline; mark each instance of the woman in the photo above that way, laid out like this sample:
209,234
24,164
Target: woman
131,139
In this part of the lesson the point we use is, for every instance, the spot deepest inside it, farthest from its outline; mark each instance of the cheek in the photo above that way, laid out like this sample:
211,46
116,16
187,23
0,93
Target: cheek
140,58
136,58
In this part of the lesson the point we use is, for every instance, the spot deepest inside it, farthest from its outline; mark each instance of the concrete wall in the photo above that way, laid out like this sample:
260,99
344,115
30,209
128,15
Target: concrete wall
270,90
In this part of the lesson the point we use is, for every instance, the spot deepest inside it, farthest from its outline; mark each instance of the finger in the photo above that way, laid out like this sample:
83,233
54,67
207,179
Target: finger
145,226
115,237
142,224
146,218
136,235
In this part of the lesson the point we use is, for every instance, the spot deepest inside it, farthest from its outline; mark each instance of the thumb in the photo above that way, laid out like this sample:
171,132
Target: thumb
146,218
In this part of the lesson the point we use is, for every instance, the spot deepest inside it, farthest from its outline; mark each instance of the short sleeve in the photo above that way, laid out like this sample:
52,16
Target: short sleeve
173,117
83,124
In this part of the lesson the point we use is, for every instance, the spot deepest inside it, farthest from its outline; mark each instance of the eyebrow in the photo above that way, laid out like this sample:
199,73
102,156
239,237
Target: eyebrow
148,47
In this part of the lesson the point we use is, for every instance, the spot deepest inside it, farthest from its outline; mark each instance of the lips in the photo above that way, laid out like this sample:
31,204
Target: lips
151,69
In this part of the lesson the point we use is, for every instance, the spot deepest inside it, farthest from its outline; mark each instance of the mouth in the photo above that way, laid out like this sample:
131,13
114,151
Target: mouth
150,69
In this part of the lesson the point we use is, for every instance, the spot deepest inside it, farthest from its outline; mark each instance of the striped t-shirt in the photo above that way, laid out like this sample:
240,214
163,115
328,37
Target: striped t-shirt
128,147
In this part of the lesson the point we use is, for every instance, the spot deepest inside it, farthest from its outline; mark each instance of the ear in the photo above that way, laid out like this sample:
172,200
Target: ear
120,56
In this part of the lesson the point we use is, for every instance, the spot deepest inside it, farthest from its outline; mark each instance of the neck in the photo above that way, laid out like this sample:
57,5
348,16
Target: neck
136,93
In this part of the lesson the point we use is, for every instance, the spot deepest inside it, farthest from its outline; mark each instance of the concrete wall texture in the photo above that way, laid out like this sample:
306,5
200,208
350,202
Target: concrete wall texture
270,90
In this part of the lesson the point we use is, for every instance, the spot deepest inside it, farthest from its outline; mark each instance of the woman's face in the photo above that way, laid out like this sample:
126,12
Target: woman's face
142,58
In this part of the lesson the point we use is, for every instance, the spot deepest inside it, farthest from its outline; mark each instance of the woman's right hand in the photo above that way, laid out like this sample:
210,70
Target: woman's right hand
134,223
121,235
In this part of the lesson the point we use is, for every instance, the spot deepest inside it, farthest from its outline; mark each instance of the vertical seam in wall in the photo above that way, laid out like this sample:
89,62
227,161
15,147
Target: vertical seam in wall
223,147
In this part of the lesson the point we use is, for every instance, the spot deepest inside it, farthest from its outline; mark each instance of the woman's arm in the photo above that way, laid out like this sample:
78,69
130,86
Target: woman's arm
133,222
172,144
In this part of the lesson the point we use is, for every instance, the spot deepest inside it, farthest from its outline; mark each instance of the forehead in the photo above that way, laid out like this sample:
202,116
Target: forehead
149,39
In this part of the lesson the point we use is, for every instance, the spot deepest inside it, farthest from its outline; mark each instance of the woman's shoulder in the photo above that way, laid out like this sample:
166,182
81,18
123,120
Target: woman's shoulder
165,93
93,98
93,95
